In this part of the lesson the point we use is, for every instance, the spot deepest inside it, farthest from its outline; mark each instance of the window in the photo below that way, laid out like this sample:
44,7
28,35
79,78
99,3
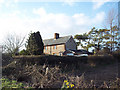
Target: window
55,47
46,48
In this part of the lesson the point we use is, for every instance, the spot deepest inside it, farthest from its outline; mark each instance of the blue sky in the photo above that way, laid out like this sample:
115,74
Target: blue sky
66,18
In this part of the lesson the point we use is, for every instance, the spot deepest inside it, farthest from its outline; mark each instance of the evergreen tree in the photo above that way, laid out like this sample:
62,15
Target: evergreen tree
35,44
98,39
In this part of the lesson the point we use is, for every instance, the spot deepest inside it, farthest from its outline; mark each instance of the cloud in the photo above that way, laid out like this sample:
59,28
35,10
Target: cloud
99,18
48,23
39,11
69,2
83,20
98,3
1,2
8,3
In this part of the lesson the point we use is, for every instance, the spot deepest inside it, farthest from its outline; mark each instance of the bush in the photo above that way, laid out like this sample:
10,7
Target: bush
100,60
6,59
116,54
24,52
105,50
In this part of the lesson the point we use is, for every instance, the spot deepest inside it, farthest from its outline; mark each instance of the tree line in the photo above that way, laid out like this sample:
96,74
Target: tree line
99,39
102,39
33,45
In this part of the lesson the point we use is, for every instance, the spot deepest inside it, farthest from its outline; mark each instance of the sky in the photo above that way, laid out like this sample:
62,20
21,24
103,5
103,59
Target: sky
66,17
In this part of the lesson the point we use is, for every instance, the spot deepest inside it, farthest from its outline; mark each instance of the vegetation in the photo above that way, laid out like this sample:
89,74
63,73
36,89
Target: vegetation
35,44
100,39
12,44
67,84
24,52
52,71
116,54
111,23
11,84
6,59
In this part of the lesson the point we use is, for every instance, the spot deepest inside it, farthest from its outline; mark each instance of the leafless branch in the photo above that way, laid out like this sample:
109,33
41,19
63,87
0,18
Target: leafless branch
13,43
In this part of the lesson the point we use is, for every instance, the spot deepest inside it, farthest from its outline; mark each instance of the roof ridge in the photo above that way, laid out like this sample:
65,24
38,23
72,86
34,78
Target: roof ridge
58,38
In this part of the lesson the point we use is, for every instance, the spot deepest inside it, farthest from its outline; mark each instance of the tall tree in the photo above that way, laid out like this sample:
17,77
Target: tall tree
35,44
94,38
111,23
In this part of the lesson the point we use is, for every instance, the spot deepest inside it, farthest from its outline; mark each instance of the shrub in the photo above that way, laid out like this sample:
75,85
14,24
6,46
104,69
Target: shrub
50,60
11,84
100,60
116,54
6,59
105,50
24,52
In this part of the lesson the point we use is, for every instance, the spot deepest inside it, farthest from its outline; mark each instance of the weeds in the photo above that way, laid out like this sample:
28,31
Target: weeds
11,84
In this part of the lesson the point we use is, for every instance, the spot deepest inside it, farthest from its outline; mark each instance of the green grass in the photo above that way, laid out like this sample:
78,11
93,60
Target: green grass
6,83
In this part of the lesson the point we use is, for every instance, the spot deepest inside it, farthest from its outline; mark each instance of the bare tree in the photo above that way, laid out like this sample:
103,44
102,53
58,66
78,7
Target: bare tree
13,43
111,23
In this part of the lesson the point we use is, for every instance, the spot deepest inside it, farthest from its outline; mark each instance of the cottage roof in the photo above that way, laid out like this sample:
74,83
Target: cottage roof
60,40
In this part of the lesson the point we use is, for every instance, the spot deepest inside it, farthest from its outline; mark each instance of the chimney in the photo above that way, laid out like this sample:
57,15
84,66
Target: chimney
56,35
